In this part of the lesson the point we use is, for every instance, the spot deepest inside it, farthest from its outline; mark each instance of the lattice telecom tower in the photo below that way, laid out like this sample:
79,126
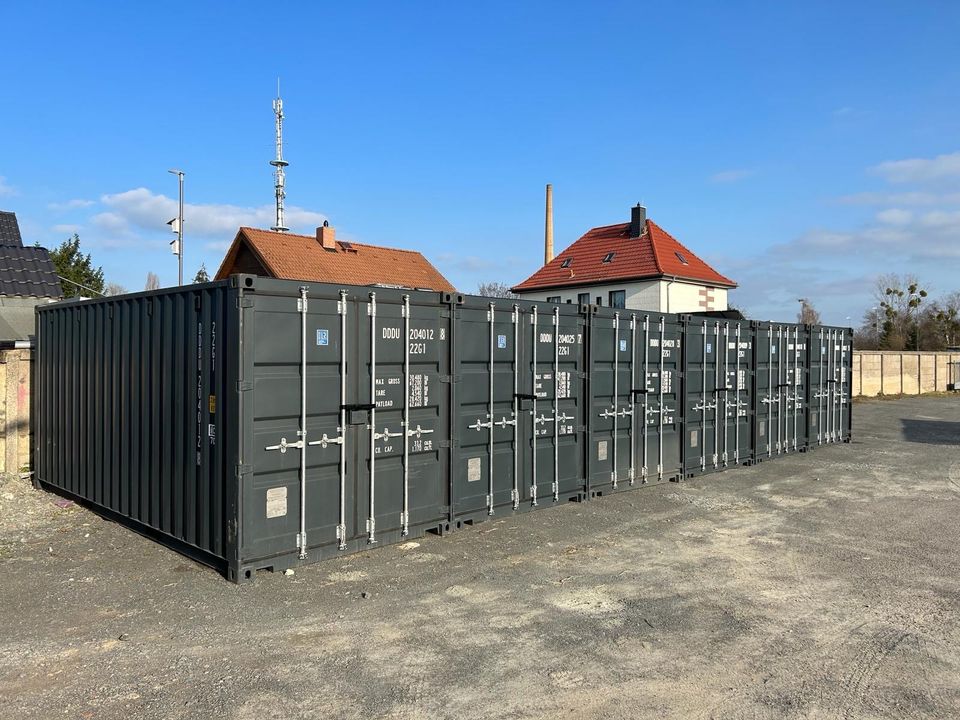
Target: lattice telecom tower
279,163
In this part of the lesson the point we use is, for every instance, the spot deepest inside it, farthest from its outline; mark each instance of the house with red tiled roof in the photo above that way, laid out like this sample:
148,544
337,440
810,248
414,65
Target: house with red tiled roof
636,265
323,258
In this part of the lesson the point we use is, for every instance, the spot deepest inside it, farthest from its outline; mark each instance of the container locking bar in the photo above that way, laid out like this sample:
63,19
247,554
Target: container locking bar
489,424
515,492
555,486
533,411
405,513
371,511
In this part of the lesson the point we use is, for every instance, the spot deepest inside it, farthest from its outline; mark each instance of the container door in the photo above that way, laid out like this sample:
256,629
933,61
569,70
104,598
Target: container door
664,412
767,355
299,454
704,387
737,394
488,471
404,394
796,389
555,344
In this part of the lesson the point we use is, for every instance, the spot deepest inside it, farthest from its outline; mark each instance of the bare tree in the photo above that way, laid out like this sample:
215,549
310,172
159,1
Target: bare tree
153,282
113,288
495,290
808,315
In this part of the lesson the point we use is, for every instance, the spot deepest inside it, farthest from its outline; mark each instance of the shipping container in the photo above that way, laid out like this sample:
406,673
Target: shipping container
518,416
258,424
830,360
634,386
718,380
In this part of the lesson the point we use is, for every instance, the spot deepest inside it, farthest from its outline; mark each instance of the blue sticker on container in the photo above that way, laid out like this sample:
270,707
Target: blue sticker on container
623,346
709,347
323,337
501,341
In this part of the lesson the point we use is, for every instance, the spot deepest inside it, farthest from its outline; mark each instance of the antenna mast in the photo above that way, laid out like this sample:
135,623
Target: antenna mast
279,163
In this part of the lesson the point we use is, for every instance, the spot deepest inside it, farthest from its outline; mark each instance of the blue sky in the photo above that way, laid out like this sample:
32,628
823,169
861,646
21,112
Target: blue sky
803,148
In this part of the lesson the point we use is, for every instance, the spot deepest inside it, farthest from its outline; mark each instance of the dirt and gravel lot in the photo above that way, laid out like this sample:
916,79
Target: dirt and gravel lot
824,585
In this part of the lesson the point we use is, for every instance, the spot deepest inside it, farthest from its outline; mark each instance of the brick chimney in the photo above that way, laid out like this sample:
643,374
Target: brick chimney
638,220
326,236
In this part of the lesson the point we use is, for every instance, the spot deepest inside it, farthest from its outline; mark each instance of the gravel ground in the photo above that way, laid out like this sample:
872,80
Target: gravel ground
824,585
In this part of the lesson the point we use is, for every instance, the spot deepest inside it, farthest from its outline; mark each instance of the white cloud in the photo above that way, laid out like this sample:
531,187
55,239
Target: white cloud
895,216
67,229
142,209
919,170
70,205
6,188
915,198
731,176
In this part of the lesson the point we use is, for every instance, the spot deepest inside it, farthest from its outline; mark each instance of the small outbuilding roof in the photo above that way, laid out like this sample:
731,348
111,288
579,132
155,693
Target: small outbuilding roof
303,257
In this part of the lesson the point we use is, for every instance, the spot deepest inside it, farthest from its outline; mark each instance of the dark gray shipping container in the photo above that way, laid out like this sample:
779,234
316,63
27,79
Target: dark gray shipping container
518,414
718,381
634,385
830,363
251,423
256,423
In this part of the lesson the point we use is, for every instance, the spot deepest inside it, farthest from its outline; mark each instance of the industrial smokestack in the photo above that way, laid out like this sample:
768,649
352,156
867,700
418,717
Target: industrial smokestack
548,230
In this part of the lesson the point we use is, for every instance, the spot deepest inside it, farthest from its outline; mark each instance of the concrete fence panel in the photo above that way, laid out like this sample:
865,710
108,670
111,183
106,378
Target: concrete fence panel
877,372
15,369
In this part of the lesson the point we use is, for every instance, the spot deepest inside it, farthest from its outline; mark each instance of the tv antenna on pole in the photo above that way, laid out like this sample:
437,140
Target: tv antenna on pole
279,163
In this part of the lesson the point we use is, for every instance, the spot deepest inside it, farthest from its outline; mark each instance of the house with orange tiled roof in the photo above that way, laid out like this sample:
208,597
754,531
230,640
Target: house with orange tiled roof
323,258
636,265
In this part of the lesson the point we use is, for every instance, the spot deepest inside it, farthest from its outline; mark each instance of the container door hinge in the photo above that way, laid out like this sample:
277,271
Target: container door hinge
244,385
245,302
244,469
449,378
515,497
448,443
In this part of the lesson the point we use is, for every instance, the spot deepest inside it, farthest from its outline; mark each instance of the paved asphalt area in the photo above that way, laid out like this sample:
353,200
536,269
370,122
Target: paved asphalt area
818,585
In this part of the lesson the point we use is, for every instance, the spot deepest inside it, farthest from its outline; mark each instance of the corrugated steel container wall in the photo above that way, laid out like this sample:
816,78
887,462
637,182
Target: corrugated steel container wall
518,408
136,408
634,414
718,381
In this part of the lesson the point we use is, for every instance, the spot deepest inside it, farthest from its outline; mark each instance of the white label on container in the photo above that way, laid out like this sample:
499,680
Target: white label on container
602,450
276,502
473,469
694,436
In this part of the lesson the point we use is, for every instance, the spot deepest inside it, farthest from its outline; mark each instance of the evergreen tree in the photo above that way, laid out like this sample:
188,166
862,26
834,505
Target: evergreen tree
79,277
202,275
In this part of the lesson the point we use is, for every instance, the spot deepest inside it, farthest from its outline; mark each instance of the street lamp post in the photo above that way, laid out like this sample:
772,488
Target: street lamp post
177,226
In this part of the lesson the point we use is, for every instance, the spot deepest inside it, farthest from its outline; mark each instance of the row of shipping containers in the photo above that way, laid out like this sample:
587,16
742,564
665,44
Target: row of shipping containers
255,423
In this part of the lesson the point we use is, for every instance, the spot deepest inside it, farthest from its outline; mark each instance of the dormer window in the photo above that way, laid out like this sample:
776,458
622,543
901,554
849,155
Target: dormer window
681,258
608,257
566,262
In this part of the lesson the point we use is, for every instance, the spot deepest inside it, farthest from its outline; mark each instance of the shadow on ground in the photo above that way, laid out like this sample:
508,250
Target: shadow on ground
931,432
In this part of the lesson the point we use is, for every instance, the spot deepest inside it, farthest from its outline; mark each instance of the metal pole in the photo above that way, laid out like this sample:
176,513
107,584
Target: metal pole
179,174
180,233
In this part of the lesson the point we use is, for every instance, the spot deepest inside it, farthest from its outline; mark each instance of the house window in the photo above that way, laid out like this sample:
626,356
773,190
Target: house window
608,257
681,258
583,299
553,298
618,298
566,262
599,300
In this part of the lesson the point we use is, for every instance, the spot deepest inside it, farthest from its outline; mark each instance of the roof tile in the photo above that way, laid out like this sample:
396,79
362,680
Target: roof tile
301,257
652,255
